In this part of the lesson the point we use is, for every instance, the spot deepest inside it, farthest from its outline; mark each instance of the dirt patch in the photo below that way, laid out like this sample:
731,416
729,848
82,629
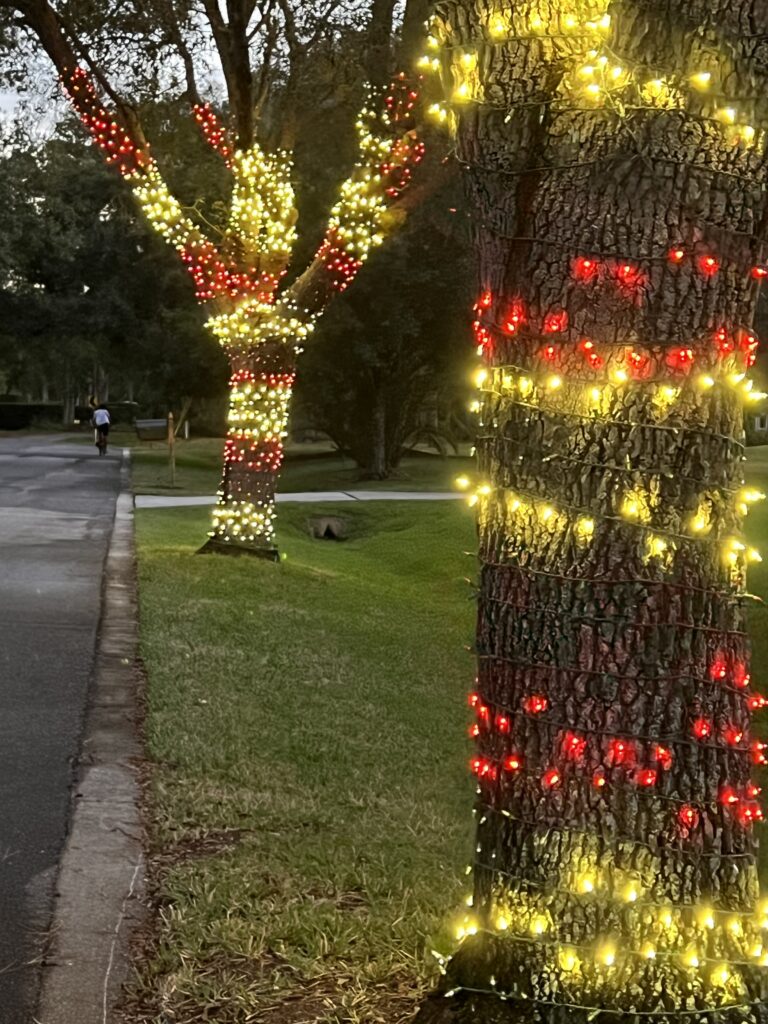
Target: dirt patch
207,844
274,992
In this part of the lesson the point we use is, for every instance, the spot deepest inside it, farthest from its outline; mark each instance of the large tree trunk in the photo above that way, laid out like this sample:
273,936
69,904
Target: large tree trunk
615,868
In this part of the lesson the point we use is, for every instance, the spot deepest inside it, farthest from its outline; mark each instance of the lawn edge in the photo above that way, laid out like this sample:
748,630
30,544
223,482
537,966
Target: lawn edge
102,872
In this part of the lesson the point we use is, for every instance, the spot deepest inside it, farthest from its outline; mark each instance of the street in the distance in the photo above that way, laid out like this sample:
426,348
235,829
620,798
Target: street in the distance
57,505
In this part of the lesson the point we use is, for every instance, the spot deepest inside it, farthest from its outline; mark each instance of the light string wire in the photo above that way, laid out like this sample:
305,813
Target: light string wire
614,844
560,945
597,1011
583,512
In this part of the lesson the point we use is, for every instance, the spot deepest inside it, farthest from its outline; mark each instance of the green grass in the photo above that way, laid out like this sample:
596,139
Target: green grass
310,800
307,468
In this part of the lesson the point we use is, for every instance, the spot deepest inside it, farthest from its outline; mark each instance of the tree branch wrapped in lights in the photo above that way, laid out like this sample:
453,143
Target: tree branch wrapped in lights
615,159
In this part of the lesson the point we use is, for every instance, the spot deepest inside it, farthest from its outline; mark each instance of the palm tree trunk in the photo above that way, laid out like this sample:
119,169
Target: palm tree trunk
615,861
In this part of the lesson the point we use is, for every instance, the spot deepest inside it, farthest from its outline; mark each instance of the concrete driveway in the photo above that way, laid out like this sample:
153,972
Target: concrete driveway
57,503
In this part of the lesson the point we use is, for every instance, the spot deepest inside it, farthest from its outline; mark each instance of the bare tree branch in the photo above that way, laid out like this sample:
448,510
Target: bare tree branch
65,49
177,38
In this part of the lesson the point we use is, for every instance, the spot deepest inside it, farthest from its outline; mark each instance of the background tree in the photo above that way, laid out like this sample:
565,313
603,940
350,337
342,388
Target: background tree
91,302
615,156
389,365
238,263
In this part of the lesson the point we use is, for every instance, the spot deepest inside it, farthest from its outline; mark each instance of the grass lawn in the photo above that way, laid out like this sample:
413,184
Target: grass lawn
307,468
310,801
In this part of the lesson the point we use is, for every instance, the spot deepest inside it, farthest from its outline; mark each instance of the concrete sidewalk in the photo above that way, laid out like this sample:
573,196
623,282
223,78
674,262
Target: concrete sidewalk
306,497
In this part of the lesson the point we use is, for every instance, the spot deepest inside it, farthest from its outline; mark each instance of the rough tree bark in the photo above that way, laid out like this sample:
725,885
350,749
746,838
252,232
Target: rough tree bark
615,158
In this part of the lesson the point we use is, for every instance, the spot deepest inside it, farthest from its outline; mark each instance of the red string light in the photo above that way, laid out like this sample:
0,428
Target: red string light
585,269
688,816
556,323
646,777
702,728
214,133
708,265
621,752
663,757
728,796
574,746
110,136
733,735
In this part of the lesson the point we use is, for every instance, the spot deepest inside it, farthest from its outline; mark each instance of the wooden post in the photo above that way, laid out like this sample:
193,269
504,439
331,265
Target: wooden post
172,449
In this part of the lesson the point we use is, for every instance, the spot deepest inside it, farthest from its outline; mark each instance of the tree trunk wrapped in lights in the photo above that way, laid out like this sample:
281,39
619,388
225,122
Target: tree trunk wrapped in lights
261,325
615,157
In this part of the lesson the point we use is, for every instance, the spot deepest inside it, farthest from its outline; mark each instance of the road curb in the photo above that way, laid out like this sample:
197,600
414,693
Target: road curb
101,877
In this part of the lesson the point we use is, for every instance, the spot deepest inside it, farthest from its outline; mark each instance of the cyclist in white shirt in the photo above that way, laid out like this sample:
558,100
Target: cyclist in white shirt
101,421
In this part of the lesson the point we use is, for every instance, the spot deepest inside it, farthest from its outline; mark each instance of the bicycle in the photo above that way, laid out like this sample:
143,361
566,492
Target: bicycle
102,437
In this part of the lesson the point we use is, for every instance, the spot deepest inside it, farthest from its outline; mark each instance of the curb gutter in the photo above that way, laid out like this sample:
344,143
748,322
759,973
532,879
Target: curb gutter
101,878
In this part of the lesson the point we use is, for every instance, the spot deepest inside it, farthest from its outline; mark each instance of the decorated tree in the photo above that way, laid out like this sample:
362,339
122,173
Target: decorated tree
239,270
615,157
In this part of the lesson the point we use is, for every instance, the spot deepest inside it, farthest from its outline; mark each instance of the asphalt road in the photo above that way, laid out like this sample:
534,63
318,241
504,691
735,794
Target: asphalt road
57,503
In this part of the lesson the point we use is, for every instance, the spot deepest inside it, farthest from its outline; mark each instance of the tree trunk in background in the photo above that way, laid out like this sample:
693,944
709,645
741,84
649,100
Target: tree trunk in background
618,229
379,468
67,406
260,392
379,42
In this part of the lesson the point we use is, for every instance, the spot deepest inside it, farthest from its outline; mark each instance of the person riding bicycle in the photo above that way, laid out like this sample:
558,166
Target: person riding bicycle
101,421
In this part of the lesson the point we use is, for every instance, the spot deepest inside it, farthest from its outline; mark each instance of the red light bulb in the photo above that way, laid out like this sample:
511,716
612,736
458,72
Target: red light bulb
718,669
733,735
741,677
702,728
663,756
555,323
688,816
646,777
574,746
621,752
